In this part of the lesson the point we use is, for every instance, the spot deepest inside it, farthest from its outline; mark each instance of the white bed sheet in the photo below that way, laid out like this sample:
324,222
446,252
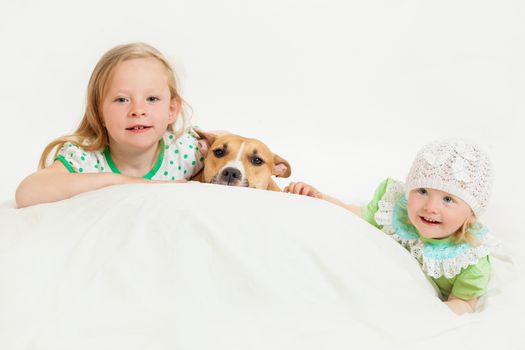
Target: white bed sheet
200,266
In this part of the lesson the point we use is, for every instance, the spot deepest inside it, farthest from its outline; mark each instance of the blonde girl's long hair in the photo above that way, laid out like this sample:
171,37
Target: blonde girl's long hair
91,134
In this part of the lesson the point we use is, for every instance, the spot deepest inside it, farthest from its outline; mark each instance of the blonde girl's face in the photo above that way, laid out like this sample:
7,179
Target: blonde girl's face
436,214
137,106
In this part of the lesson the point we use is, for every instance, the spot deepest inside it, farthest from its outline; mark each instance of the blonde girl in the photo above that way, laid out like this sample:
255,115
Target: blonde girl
128,134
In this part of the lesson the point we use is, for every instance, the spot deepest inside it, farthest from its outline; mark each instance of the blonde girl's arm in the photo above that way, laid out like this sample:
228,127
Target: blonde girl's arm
460,306
57,183
308,190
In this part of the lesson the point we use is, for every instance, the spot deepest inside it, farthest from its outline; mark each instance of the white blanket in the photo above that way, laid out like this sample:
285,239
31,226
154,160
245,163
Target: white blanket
199,266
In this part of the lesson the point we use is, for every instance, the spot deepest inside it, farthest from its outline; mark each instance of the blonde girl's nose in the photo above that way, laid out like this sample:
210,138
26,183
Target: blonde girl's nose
137,110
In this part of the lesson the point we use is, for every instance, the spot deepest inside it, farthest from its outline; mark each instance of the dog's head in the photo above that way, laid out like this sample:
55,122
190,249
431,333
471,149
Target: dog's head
234,160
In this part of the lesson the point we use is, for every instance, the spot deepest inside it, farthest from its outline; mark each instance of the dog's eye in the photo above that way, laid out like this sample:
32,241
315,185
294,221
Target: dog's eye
257,161
218,153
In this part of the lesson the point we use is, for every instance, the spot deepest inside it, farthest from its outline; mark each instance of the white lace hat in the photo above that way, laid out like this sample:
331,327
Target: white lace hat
455,166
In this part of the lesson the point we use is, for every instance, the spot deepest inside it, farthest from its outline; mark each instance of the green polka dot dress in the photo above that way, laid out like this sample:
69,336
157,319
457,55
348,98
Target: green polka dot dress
180,159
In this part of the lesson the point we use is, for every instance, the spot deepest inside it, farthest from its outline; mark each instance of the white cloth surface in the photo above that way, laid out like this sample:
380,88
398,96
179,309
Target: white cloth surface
199,266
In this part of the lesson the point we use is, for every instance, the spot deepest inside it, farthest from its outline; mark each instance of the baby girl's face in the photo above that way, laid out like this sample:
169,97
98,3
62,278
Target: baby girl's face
436,214
137,106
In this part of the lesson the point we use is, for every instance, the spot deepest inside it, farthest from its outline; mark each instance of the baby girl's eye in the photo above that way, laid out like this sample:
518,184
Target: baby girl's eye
421,191
152,98
121,99
448,199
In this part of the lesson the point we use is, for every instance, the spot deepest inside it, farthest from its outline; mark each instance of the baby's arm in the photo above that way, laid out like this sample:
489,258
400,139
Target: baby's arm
307,190
460,306
56,183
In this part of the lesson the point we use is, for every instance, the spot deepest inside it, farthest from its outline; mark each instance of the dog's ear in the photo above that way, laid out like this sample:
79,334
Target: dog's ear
281,167
205,140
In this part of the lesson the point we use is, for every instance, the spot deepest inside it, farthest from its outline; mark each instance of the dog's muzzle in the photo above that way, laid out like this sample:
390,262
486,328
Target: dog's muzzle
231,177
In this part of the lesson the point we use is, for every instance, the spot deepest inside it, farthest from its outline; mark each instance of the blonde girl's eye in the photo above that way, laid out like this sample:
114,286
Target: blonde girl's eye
153,99
121,100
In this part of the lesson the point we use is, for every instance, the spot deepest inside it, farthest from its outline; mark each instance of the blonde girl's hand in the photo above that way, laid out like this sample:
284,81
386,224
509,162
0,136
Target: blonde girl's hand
180,181
303,189
141,180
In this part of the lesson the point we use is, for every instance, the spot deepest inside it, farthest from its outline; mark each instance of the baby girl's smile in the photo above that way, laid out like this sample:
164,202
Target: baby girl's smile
429,220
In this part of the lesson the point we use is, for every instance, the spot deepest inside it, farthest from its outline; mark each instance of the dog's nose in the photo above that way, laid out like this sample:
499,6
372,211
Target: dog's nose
230,175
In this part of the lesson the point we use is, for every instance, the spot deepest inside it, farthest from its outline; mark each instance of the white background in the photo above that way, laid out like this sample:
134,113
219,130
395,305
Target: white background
346,91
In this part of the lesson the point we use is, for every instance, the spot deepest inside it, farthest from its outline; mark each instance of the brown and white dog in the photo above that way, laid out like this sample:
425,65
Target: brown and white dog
234,160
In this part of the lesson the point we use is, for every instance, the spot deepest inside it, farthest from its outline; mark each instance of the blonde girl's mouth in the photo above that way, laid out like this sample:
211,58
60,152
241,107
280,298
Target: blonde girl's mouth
138,128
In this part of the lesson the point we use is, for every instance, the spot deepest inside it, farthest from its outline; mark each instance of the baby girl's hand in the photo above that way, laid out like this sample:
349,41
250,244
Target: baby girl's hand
303,189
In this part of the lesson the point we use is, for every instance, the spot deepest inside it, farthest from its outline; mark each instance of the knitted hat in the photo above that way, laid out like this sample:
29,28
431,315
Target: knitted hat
454,166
